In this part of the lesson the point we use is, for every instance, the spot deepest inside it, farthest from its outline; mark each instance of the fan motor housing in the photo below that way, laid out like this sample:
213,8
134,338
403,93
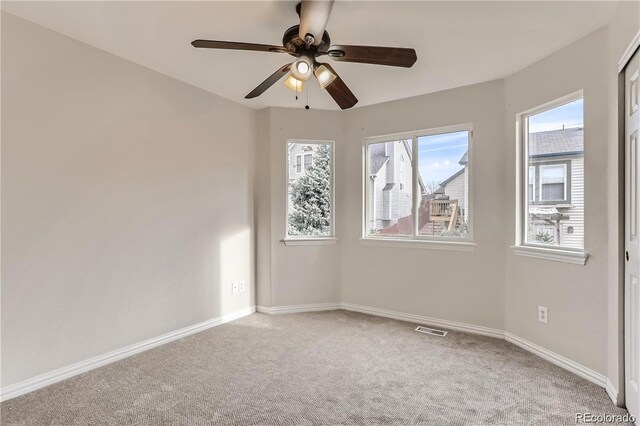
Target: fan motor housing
296,46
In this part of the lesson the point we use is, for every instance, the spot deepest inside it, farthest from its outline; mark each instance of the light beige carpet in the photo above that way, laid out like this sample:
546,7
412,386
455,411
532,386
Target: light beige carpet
318,368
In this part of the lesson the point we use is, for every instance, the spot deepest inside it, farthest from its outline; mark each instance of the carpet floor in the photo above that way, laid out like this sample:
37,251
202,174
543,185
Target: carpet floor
333,367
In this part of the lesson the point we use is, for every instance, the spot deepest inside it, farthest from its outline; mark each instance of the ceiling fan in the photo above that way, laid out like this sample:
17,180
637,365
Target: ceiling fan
307,42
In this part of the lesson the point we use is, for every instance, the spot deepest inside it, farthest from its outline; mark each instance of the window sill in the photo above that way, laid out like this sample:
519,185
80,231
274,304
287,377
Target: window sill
556,255
309,241
420,244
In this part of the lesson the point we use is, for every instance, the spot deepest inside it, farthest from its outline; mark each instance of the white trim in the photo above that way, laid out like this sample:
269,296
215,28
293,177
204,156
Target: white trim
613,393
293,309
559,360
309,241
64,373
451,325
557,255
419,243
626,56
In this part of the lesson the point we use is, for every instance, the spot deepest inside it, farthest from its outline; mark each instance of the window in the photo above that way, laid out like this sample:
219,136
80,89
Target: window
553,182
308,160
418,185
552,213
309,190
298,164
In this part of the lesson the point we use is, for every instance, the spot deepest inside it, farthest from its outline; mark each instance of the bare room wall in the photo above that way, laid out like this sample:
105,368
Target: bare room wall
458,286
574,295
296,275
127,202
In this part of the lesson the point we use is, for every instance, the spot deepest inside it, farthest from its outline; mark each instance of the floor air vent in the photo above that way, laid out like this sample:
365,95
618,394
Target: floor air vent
431,331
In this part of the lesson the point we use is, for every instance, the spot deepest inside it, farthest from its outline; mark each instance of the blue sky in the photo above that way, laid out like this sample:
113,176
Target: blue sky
569,115
438,155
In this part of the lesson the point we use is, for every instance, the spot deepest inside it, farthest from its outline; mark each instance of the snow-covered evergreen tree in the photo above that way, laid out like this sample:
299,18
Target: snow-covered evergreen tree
311,197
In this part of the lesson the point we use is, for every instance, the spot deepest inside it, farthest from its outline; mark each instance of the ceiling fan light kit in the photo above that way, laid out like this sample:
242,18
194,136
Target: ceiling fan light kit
324,75
308,41
302,69
294,84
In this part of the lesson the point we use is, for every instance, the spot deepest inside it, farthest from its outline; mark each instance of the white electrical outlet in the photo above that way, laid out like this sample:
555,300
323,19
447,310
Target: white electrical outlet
234,287
543,315
241,286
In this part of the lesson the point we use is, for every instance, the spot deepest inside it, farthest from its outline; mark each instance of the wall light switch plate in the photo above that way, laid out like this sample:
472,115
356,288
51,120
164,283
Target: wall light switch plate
543,315
234,287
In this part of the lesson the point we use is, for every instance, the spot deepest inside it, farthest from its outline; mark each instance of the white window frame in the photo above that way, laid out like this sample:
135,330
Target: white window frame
302,240
565,199
415,240
521,246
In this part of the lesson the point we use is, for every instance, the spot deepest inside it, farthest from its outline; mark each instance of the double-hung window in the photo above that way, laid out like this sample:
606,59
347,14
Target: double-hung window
551,161
418,186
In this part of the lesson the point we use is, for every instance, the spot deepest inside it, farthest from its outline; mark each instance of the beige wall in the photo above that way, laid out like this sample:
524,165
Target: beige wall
574,295
294,275
126,202
459,286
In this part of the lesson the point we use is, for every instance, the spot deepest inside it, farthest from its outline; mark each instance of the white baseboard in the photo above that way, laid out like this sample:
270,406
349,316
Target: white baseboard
292,309
558,360
451,325
550,356
613,393
60,374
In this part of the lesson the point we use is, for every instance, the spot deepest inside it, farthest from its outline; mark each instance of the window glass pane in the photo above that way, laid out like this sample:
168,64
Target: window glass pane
555,206
443,173
309,191
389,188
552,182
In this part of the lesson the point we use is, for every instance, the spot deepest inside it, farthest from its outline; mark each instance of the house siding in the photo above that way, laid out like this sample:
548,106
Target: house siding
391,204
576,212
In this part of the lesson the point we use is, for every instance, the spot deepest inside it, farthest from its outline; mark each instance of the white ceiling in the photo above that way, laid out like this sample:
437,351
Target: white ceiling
458,43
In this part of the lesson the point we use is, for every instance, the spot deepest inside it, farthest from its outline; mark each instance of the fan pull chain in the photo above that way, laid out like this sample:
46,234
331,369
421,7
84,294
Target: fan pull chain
307,105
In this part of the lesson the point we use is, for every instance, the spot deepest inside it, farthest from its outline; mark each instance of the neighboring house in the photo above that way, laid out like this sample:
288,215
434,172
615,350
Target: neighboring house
556,186
300,158
456,187
390,180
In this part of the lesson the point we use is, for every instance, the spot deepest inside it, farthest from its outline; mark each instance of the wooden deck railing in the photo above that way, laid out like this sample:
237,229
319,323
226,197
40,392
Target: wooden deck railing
444,211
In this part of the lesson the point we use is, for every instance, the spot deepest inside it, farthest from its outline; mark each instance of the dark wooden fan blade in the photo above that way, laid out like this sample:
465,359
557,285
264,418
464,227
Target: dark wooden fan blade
393,56
270,81
236,45
340,92
314,15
